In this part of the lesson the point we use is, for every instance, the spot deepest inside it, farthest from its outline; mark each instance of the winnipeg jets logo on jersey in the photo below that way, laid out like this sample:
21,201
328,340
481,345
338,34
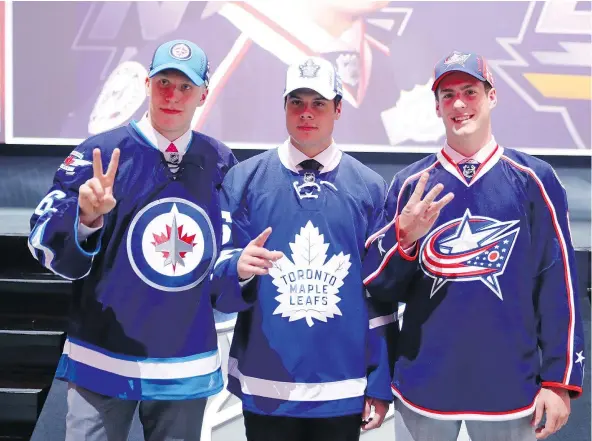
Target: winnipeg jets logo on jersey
72,161
469,248
308,285
171,244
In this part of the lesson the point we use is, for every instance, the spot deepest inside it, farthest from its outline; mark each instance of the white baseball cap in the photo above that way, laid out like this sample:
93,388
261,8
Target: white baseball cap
313,73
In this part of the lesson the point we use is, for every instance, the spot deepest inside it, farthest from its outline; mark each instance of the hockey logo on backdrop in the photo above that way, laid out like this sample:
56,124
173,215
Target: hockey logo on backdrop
308,284
171,244
72,161
548,64
468,249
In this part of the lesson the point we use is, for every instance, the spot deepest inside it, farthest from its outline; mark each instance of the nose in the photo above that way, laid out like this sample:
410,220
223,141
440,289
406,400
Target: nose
174,95
306,114
458,103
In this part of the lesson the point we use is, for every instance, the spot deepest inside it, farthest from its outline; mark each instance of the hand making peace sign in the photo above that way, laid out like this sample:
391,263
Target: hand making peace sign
95,196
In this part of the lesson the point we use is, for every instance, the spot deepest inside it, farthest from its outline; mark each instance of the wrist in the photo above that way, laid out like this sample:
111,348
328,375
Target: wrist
558,390
90,221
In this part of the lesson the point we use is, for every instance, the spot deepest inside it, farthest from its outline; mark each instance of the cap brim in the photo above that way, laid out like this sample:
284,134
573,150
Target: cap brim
445,74
195,78
327,94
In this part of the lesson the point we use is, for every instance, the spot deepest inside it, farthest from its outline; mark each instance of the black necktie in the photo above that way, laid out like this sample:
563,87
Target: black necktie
310,164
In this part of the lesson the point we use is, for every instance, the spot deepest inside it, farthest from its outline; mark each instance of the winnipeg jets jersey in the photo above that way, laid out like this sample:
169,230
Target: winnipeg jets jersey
142,326
305,344
492,283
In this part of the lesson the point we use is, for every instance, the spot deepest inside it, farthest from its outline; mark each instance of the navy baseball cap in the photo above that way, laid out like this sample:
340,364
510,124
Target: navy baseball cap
184,56
470,63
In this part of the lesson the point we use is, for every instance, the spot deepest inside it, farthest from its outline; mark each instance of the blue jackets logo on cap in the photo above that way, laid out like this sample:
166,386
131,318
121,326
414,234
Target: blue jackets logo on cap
457,58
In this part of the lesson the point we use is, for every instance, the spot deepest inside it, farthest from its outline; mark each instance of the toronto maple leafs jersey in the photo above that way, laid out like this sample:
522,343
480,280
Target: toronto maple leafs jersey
142,326
489,286
305,344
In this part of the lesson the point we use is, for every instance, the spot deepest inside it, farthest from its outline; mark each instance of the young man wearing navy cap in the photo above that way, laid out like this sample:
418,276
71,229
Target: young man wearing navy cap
491,332
139,241
307,358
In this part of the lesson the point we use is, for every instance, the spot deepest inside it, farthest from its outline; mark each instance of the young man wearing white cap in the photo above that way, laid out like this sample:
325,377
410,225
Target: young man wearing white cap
307,358
491,332
139,241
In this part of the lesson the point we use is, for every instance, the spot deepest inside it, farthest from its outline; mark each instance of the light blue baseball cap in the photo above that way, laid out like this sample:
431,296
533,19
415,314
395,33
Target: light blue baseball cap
184,56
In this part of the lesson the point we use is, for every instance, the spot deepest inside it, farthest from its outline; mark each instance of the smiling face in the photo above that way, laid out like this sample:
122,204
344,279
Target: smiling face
173,100
464,104
310,120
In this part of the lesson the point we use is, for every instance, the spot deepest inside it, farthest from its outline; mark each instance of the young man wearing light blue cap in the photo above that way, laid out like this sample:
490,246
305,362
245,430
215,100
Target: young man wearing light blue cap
140,241
491,333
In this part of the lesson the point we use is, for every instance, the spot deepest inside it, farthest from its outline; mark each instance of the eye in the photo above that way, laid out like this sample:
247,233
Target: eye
295,102
186,87
319,103
471,92
164,82
447,96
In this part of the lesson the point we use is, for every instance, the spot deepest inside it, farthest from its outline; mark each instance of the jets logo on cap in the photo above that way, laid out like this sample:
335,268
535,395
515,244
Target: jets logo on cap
181,51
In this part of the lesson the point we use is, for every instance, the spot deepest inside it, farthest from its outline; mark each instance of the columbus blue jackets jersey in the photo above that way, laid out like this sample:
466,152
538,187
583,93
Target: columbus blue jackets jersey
489,286
142,326
305,344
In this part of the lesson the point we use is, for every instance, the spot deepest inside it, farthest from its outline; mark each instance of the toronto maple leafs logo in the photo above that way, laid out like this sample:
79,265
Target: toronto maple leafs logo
309,69
171,244
308,285
467,249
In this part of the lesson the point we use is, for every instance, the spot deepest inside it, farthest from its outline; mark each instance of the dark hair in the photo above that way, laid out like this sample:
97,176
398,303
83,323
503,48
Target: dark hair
486,86
335,100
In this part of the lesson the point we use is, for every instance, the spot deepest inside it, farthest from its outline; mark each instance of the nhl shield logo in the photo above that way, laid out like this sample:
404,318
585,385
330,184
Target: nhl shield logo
171,244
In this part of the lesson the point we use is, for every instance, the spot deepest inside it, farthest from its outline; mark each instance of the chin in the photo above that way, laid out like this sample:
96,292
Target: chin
467,130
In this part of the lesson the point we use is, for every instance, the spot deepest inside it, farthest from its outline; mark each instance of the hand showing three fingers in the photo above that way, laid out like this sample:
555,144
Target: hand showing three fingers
418,216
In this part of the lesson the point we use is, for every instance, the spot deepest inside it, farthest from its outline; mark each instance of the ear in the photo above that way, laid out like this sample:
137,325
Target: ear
492,97
338,110
147,84
204,94
438,113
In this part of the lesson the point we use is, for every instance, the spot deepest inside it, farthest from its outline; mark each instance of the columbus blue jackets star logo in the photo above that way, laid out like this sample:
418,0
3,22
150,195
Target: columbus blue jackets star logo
467,249
456,58
171,244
